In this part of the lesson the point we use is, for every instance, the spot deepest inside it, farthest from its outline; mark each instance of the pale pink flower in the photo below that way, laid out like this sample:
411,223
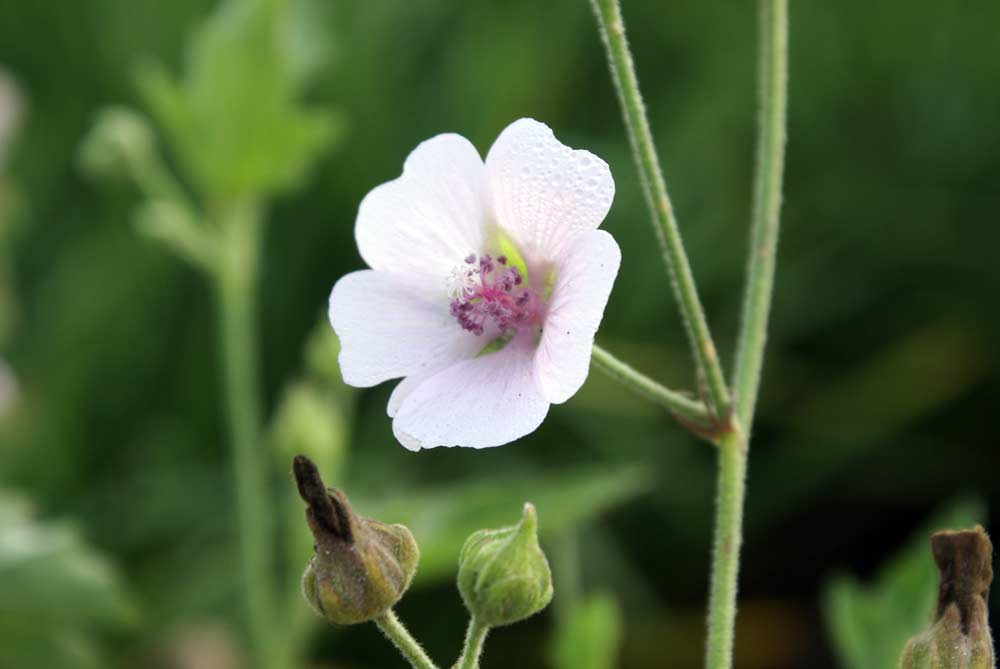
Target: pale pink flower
487,284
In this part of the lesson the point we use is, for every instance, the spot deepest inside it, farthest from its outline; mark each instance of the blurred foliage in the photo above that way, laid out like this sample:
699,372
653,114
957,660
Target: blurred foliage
314,414
56,593
591,637
870,624
11,110
443,517
881,380
235,119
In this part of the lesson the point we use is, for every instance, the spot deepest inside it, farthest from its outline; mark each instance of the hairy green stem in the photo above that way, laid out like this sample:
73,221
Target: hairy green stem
654,188
773,103
675,402
773,75
473,648
731,486
410,648
236,283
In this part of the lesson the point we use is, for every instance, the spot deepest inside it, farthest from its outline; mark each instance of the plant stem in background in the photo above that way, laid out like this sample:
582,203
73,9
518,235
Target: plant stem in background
654,188
236,282
677,403
157,183
565,552
404,641
473,648
734,446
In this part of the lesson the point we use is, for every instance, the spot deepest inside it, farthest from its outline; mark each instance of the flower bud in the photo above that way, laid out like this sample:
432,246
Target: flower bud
120,140
503,575
959,635
361,567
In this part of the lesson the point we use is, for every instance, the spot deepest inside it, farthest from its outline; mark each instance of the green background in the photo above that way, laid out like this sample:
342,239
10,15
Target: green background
881,387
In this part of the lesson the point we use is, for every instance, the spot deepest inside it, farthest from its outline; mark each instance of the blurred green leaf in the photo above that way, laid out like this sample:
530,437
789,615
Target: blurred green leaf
443,518
322,351
54,591
590,636
870,624
9,209
314,419
235,119
310,421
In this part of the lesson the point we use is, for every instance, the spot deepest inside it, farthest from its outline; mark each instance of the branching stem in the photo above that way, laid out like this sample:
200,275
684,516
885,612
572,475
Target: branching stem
761,255
654,188
733,447
675,402
733,442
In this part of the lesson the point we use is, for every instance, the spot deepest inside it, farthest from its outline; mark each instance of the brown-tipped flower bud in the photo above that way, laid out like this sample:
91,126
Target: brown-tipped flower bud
361,567
959,635
503,575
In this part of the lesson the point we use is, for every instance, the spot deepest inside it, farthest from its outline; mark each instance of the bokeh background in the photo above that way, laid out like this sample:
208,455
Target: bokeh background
881,388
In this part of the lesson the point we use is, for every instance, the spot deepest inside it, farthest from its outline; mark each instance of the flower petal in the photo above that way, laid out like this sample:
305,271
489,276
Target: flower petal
430,218
403,390
584,278
390,328
544,192
487,401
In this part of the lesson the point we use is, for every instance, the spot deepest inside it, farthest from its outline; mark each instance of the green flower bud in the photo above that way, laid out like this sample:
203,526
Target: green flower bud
360,567
120,140
503,575
959,635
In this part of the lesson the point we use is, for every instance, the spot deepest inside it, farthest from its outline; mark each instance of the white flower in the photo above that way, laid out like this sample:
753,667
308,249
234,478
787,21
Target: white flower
487,284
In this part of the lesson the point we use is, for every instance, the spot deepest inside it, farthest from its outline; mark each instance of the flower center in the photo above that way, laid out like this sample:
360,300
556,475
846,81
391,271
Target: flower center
485,290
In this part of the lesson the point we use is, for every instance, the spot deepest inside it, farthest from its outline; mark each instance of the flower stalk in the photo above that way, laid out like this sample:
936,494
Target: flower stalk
761,256
410,648
473,647
772,101
612,27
